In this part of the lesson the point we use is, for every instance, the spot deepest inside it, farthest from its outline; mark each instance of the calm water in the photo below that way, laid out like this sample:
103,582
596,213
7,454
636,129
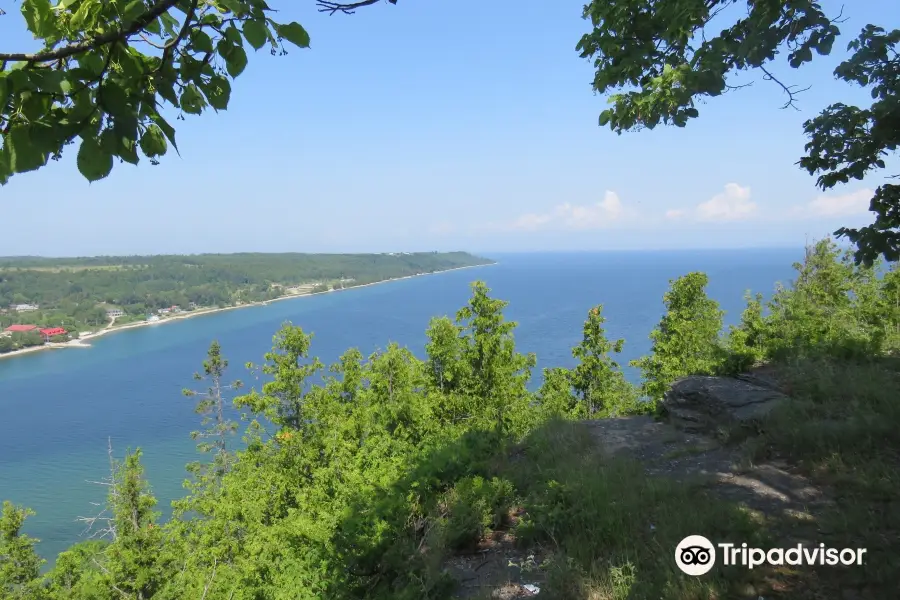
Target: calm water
58,408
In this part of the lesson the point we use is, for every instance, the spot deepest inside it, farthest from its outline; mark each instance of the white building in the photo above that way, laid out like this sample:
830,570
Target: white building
25,307
112,313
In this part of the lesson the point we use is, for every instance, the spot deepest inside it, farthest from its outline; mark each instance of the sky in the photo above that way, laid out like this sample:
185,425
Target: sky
448,125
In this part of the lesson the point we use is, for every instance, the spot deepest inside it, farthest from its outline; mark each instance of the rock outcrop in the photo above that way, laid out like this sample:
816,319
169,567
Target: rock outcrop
707,405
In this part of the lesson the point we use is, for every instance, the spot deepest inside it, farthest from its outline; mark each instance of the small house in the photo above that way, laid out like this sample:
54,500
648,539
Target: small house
113,313
25,307
51,332
21,328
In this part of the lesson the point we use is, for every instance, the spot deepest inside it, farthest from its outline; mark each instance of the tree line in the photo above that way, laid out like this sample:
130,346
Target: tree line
75,292
361,485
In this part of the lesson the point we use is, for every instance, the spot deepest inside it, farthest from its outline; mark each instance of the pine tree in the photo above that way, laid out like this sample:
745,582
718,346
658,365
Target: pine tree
686,341
211,406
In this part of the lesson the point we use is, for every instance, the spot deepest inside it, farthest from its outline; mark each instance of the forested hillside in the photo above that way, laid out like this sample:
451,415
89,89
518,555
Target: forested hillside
368,485
77,292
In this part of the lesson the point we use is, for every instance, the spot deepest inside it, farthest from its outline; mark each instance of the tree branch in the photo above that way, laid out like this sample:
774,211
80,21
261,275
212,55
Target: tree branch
345,7
185,27
789,90
139,24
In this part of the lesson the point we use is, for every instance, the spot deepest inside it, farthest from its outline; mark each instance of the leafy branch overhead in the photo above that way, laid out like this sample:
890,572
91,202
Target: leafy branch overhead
660,59
109,69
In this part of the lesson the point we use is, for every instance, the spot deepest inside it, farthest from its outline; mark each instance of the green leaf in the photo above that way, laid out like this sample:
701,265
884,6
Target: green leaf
132,66
109,141
192,101
85,17
218,92
5,171
201,41
46,138
233,35
256,33
114,100
169,23
94,161
154,27
166,89
153,142
126,126
233,5
34,105
38,17
132,11
24,155
236,61
167,129
127,150
50,81
19,81
294,33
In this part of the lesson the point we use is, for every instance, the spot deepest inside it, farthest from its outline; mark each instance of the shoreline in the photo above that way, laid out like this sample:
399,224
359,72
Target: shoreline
80,342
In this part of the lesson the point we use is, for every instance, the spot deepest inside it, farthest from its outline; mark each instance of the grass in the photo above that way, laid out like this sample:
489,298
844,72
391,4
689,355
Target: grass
612,530
841,428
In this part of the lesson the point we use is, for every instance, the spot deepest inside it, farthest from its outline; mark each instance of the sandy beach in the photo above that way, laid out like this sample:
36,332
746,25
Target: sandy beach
82,342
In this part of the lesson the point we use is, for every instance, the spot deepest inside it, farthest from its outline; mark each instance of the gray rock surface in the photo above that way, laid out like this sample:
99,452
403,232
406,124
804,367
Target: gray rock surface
709,404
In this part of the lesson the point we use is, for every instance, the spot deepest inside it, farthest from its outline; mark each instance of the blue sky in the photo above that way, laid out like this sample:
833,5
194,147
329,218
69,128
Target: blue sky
435,125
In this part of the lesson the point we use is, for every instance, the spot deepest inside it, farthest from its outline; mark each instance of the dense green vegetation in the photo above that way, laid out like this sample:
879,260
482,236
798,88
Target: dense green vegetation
365,485
75,293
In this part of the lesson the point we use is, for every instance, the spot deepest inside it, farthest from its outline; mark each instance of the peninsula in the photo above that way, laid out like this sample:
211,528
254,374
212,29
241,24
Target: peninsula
60,302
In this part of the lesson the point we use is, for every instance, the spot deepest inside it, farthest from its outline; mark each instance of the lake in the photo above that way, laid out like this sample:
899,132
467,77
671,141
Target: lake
60,407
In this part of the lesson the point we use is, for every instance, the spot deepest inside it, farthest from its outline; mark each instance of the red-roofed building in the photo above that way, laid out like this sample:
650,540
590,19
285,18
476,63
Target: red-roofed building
21,328
52,332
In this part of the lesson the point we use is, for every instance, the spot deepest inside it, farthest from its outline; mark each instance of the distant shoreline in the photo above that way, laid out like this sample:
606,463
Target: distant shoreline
80,342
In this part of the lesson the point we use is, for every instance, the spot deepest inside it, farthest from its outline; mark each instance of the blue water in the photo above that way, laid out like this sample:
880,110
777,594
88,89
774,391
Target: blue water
60,407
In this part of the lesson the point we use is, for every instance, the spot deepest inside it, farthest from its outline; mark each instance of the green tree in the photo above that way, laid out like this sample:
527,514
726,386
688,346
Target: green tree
76,574
660,60
829,310
746,343
686,341
282,400
211,407
497,373
19,563
133,564
107,70
600,385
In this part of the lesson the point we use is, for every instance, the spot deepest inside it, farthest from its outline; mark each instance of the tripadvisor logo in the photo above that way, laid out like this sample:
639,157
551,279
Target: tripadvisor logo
695,555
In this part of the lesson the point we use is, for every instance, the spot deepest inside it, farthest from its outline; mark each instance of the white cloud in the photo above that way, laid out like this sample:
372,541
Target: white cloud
733,204
574,217
854,203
